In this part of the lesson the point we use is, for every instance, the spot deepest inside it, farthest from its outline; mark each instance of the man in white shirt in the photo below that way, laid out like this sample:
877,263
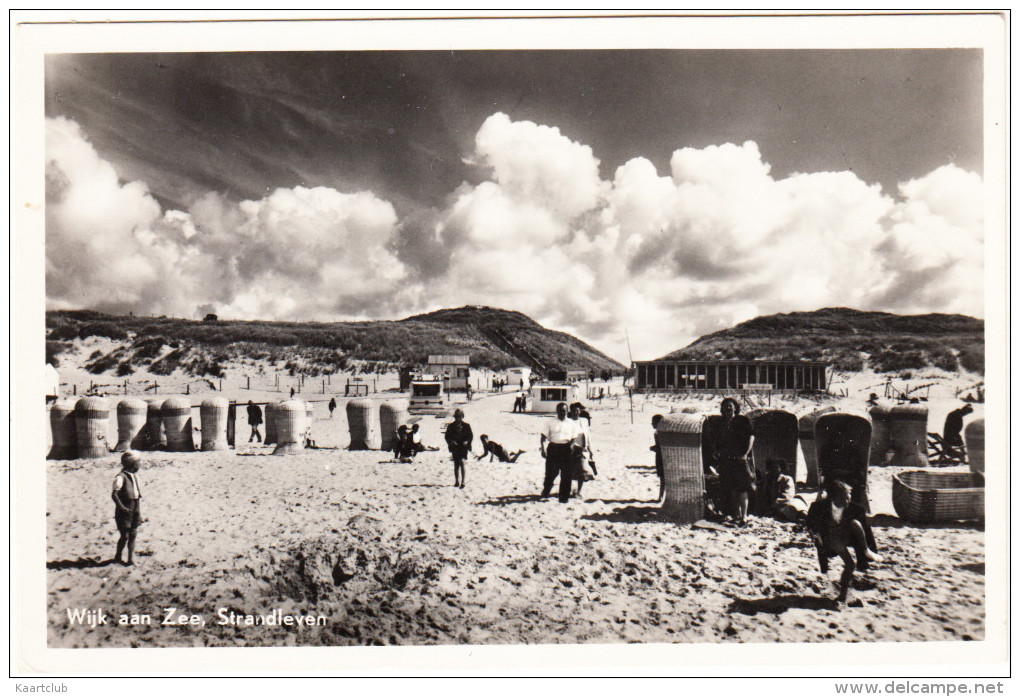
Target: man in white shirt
558,434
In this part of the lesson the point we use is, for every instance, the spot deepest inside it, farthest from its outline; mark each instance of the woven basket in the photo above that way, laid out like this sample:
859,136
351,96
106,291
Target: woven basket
775,437
155,436
974,437
131,418
933,496
270,418
213,414
392,414
880,435
806,435
363,421
180,437
92,423
291,418
908,433
679,438
65,435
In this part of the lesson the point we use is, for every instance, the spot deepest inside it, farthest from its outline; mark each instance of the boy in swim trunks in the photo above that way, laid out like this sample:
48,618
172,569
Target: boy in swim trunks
127,497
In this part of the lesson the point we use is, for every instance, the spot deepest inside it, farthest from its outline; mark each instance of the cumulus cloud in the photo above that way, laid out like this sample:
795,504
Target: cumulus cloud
296,254
665,256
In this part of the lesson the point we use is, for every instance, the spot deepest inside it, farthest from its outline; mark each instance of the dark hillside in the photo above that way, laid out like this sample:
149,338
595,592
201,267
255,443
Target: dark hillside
850,339
493,338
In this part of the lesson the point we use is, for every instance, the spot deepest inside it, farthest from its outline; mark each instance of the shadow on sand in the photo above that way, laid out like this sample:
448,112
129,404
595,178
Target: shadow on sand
79,563
632,514
782,603
977,568
883,520
512,499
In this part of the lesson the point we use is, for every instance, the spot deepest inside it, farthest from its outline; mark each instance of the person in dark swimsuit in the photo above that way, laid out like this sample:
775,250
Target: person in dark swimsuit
494,449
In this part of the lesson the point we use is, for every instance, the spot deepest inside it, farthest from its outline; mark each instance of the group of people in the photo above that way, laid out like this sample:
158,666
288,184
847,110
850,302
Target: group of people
565,443
837,519
407,443
521,402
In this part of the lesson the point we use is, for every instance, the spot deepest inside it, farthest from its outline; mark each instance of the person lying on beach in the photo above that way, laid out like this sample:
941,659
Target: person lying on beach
494,449
834,530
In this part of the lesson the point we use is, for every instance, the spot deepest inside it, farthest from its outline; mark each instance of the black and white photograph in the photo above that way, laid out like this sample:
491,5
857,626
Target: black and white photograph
657,343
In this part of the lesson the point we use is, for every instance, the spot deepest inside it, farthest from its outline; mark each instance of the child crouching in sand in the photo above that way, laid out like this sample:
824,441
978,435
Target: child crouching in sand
835,528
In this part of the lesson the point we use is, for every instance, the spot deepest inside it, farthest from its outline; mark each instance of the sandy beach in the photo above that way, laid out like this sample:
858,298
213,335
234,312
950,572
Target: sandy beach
357,550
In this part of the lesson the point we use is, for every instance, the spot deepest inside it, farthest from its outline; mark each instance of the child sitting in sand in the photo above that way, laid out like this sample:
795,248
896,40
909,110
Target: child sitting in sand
780,492
402,451
834,529
127,498
494,449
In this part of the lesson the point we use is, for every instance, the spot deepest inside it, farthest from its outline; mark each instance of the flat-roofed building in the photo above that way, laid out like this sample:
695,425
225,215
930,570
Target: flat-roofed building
730,375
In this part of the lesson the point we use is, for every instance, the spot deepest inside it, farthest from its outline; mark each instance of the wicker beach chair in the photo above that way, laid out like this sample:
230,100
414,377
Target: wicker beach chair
844,445
806,425
679,438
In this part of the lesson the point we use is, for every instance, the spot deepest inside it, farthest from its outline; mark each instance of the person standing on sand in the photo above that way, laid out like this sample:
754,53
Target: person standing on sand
559,432
581,453
733,442
659,471
458,440
954,425
254,420
127,497
332,406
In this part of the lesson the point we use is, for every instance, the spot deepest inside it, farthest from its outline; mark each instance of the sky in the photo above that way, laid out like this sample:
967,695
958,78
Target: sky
652,194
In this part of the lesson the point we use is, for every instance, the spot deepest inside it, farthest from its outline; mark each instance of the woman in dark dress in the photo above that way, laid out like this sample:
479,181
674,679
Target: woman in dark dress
732,452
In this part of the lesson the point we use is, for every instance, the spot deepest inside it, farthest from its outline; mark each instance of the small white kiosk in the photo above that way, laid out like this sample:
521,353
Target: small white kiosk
427,395
544,396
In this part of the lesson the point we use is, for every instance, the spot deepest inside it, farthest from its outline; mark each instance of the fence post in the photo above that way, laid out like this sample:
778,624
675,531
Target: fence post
221,384
249,382
74,389
187,388
323,387
125,387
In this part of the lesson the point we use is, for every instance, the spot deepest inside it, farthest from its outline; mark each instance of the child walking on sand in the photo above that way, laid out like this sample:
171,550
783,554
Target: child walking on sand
127,498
